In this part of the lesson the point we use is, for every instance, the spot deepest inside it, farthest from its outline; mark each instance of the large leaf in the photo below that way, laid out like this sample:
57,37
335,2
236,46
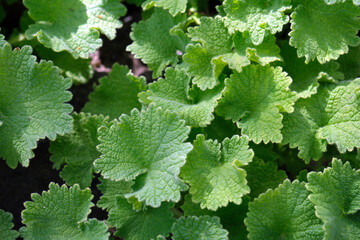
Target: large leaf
32,97
174,6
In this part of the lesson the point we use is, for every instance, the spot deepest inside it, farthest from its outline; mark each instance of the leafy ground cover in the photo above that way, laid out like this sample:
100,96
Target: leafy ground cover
181,119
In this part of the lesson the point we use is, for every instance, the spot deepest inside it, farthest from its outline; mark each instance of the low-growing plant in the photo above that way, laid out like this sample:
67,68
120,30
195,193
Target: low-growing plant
249,131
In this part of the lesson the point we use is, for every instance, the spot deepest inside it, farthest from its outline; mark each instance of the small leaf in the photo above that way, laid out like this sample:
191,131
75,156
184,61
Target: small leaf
6,225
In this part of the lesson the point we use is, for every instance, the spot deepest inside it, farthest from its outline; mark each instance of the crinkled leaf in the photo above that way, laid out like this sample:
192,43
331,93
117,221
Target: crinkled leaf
77,150
323,32
257,95
350,63
306,77
116,94
111,190
262,176
32,97
258,17
336,195
174,6
73,25
147,146
6,225
284,213
231,217
199,228
154,44
146,223
61,213
356,2
332,115
194,106
215,176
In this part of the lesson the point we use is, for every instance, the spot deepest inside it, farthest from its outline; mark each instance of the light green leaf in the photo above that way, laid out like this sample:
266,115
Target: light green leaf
323,32
306,76
2,41
32,104
154,44
257,95
74,25
77,150
116,94
284,213
199,228
174,6
147,147
332,115
147,223
258,17
215,176
350,63
336,195
6,225
262,176
356,2
194,106
61,213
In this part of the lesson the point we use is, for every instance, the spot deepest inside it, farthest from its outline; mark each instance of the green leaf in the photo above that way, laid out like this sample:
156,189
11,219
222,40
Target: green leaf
356,2
147,223
306,77
77,150
324,31
147,147
199,228
174,6
6,225
262,176
257,95
336,195
330,116
259,17
74,25
153,42
284,213
32,104
2,41
116,94
194,106
350,63
215,176
111,190
61,213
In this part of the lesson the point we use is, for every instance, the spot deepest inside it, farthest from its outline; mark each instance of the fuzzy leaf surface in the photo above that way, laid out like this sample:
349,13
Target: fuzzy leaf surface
173,6
215,176
323,32
61,213
74,25
330,116
257,95
356,2
284,213
199,228
258,17
116,94
147,147
32,104
336,195
173,93
6,232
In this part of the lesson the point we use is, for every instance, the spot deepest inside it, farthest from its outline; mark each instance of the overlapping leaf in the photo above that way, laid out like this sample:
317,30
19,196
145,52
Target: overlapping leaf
147,147
259,17
174,6
6,225
356,2
77,150
116,94
350,63
154,44
324,32
215,176
61,213
254,99
330,116
195,228
32,107
173,93
336,195
284,213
